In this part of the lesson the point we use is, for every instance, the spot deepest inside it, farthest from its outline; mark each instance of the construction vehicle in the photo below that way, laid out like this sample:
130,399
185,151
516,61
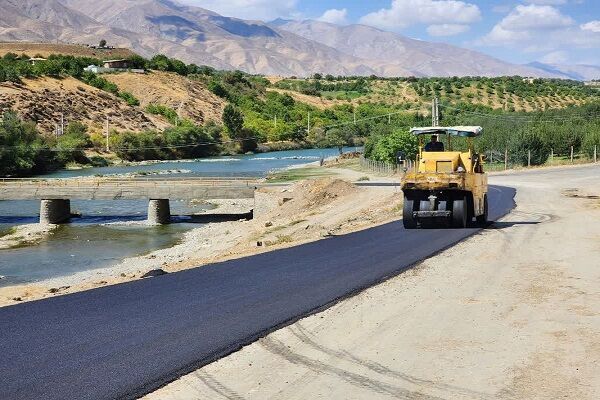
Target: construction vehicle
445,188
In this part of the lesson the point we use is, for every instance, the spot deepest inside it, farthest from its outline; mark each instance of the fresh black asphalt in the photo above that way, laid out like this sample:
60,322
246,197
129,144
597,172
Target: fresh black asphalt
126,340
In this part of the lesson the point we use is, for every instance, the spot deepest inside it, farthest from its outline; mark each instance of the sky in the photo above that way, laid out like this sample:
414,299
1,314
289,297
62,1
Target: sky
519,31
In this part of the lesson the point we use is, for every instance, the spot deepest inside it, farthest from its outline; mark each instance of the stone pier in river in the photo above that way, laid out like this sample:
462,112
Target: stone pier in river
56,194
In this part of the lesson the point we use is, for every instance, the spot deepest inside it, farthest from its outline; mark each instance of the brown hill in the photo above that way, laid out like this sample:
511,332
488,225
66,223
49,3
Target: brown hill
46,49
43,100
190,98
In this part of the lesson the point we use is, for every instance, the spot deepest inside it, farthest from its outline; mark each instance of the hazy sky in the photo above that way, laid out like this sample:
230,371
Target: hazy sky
555,31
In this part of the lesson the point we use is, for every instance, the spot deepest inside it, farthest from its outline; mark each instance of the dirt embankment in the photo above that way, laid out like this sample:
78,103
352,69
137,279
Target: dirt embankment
191,99
43,100
285,216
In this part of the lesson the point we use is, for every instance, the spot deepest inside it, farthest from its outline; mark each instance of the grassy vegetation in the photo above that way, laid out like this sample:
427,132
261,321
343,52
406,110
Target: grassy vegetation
296,174
8,231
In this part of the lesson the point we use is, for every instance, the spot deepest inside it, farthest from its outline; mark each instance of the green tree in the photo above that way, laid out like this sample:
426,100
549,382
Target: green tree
591,141
160,62
385,147
218,89
525,141
189,141
339,137
72,144
20,146
233,119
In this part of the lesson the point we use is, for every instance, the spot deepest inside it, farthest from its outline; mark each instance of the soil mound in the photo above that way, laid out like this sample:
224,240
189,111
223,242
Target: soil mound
311,195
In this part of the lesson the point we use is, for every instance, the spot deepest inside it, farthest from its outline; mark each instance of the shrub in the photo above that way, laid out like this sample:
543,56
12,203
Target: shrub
129,98
167,112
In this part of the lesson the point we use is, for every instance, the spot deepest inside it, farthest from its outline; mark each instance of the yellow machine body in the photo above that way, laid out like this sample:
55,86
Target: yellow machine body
445,188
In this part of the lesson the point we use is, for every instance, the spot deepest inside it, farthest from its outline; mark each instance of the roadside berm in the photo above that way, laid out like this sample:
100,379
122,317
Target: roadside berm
511,313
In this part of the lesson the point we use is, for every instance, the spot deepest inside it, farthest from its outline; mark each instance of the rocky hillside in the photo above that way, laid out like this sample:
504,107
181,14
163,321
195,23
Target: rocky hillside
190,98
43,100
199,36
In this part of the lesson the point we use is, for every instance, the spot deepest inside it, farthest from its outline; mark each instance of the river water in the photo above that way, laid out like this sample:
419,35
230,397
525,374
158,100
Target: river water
104,234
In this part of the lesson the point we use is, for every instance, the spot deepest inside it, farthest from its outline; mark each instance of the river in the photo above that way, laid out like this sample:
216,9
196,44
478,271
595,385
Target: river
101,237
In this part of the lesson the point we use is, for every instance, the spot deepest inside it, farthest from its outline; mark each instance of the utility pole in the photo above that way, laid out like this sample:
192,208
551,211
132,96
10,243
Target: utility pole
389,119
571,154
435,112
595,154
107,136
308,123
62,124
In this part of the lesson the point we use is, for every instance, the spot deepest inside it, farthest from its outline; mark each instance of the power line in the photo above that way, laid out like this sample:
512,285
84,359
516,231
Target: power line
198,144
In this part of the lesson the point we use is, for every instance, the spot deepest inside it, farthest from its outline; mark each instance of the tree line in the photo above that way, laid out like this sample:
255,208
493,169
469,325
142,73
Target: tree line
256,115
527,137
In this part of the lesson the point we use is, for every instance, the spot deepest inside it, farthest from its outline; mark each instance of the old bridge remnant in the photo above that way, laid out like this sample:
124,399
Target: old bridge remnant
55,195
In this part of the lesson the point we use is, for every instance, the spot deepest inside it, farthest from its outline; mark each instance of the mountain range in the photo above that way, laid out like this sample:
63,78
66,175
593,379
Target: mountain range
280,47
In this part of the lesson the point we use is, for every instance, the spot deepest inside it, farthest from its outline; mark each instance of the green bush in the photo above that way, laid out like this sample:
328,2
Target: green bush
129,98
167,112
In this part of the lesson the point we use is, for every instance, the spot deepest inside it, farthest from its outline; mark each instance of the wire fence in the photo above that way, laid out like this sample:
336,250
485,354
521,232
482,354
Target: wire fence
385,168
378,167
496,160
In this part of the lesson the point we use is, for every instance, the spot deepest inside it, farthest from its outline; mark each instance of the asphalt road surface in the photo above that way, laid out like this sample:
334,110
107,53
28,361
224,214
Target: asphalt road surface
127,340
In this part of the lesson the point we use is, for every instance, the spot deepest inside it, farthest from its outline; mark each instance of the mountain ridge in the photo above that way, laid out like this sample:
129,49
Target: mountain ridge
281,47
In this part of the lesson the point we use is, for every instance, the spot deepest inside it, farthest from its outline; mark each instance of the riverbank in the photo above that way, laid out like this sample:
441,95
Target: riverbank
309,209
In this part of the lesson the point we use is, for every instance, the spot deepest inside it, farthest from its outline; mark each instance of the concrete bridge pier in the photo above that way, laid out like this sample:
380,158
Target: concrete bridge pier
55,211
159,211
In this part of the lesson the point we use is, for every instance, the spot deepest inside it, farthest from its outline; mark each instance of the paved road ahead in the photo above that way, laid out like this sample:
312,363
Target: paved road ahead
127,340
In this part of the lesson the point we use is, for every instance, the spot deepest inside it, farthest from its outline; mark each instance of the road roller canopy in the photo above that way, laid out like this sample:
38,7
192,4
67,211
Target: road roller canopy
462,131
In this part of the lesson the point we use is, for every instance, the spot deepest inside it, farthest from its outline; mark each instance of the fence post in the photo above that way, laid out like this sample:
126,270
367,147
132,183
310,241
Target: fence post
595,154
505,159
529,158
551,156
571,154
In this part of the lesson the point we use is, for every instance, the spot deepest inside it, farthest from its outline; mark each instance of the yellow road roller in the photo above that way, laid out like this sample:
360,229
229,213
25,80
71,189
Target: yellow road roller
446,188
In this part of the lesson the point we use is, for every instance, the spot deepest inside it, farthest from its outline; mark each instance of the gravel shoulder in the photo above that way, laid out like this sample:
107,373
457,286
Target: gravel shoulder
511,313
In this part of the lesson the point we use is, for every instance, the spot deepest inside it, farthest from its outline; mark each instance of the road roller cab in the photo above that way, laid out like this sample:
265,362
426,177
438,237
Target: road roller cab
445,188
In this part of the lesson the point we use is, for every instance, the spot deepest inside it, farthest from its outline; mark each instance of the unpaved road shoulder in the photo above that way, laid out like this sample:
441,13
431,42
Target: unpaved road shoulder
511,313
